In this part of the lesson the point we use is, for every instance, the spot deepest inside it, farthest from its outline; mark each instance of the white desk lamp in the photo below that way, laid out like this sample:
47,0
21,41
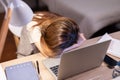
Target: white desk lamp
18,13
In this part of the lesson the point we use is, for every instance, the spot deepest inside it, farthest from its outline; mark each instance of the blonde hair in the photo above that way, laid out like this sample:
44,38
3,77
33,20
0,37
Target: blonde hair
58,33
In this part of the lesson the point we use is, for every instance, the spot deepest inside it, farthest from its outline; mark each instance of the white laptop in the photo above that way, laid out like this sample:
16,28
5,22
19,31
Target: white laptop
77,61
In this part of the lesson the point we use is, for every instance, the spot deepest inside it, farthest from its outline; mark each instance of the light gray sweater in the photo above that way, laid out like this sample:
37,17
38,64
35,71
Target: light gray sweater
25,47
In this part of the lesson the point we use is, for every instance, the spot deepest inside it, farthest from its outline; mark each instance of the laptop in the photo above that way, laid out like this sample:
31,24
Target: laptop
77,61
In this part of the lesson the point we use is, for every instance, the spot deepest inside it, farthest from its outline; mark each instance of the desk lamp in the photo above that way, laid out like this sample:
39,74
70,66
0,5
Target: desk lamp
17,13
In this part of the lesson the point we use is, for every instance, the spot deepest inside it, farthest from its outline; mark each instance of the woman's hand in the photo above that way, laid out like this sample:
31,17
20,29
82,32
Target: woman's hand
81,39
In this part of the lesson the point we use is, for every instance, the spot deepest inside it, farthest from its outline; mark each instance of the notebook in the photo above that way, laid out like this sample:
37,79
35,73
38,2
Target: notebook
117,78
23,71
113,48
77,61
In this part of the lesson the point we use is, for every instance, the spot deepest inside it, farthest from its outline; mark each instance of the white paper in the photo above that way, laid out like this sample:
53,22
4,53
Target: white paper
2,74
114,48
117,78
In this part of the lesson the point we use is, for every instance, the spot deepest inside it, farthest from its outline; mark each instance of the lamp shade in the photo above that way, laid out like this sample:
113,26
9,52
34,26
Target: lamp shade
21,13
18,13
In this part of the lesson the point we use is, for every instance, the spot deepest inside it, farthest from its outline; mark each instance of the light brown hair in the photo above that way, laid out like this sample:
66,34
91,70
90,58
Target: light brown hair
57,32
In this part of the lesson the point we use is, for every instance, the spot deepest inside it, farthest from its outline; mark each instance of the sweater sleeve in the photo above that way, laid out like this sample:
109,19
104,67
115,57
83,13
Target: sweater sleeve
35,35
24,47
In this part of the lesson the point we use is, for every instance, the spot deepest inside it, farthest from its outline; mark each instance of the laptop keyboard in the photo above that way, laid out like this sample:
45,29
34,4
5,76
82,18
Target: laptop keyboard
55,69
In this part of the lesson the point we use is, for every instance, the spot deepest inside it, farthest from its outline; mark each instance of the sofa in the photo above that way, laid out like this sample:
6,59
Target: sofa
90,15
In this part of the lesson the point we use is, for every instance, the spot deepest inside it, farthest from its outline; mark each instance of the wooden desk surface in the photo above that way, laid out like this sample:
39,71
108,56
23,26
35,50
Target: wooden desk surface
44,73
100,73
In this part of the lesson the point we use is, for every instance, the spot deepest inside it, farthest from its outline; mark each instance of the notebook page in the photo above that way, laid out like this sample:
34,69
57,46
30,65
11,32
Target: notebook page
117,78
114,48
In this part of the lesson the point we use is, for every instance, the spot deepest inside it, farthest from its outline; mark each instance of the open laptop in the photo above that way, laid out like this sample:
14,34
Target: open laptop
77,61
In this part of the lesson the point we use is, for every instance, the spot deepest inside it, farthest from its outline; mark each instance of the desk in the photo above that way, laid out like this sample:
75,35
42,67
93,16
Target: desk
100,73
45,75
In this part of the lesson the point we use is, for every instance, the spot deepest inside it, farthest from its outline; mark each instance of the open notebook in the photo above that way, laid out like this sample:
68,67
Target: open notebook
114,48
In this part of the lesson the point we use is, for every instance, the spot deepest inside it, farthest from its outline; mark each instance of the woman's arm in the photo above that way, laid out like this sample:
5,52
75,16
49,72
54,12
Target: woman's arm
37,44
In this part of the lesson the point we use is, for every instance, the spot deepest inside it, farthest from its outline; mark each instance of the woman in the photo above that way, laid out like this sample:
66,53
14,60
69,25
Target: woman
52,34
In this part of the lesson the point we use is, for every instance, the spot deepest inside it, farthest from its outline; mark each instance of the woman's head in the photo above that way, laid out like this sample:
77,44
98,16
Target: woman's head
58,34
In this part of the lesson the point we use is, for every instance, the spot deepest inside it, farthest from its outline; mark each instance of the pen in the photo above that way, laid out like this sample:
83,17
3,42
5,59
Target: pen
38,67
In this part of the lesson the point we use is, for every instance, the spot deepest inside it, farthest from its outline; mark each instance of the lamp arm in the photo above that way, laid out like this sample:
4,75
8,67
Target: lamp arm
4,3
4,30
